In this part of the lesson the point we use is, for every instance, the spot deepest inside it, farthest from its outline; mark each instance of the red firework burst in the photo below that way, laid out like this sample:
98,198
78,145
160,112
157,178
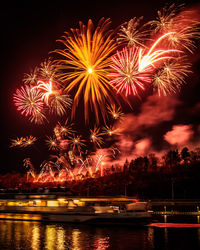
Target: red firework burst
126,76
29,101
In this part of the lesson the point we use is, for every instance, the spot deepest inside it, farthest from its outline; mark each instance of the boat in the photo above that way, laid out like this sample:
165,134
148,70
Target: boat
59,208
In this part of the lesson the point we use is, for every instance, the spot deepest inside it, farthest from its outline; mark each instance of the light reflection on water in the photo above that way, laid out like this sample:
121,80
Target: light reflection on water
25,235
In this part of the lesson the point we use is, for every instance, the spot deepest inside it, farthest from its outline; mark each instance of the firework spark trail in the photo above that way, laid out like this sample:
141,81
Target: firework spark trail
54,99
152,56
84,163
28,164
110,131
59,103
61,131
53,172
46,171
184,23
46,88
184,37
99,157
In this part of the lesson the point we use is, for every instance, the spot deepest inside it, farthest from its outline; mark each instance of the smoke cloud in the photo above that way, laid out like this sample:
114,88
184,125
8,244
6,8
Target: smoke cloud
180,135
154,111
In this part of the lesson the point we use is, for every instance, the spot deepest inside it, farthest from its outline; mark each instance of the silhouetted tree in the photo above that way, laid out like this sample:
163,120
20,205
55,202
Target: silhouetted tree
153,161
185,155
126,164
172,158
146,163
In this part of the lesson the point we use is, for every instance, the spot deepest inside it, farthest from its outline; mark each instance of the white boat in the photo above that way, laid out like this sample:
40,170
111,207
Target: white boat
73,209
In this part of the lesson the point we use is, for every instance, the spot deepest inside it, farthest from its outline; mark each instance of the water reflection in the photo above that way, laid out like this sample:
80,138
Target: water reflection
25,235
75,239
61,238
150,236
165,218
50,237
35,241
101,243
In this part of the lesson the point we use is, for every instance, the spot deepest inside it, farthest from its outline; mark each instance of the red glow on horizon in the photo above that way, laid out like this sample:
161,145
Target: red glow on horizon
174,225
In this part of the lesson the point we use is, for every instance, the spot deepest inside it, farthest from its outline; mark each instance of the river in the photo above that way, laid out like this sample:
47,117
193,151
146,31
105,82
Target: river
25,235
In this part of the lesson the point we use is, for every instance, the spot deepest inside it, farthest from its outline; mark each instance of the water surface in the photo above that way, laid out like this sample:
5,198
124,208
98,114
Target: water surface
25,235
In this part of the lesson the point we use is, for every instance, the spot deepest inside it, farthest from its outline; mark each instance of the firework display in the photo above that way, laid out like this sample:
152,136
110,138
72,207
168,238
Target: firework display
94,68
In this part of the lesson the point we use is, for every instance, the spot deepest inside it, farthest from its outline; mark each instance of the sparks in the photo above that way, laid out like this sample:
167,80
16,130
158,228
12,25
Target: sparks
59,103
95,136
110,130
52,143
17,142
171,76
76,142
29,140
132,34
115,112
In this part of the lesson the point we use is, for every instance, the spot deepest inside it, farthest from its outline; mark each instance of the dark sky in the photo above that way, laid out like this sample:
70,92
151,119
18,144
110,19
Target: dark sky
29,30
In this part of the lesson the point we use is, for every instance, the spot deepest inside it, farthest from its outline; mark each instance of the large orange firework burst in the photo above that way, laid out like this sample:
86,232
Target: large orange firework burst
86,66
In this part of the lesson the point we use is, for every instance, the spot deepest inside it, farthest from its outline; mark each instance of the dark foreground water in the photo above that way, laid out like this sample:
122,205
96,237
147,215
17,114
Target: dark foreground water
35,235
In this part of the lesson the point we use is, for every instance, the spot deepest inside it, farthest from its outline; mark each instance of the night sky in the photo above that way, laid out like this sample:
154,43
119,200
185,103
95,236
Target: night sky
29,30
